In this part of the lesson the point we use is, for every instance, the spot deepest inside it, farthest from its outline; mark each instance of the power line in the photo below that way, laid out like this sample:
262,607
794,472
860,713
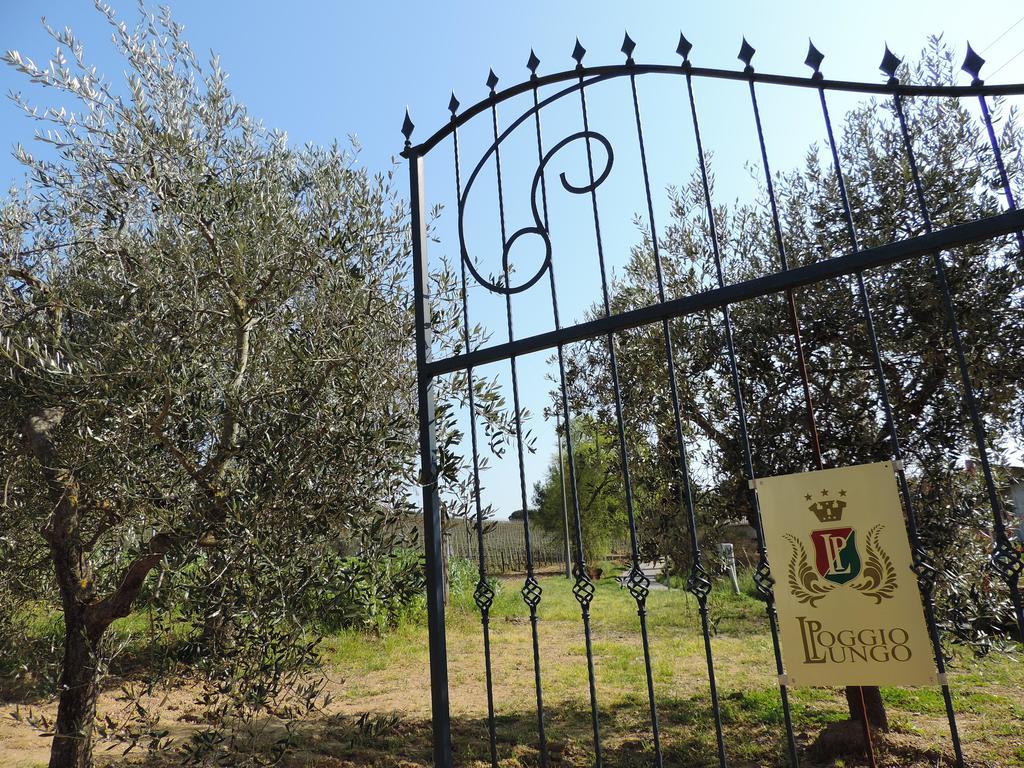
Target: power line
1004,33
1018,53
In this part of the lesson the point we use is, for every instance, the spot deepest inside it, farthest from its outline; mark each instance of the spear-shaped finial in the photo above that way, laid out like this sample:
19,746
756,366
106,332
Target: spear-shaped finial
684,47
890,63
453,104
578,52
492,80
814,59
972,65
407,126
746,54
627,48
532,63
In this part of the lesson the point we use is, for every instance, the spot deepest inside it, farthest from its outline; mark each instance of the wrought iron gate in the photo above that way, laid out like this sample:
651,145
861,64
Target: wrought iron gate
574,84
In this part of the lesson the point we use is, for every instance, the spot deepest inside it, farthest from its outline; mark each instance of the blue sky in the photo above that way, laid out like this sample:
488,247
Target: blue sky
326,70
323,70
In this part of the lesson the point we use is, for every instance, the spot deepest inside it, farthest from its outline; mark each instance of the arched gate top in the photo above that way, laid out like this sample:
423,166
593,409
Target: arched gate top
587,76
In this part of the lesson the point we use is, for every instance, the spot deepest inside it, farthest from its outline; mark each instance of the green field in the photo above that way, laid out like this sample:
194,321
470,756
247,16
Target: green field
380,711
389,675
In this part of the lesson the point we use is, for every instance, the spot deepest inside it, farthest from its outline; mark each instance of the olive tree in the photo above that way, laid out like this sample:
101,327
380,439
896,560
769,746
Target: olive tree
918,360
205,341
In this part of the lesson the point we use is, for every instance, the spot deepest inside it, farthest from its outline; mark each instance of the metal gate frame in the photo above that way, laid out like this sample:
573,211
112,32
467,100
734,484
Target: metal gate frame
1006,557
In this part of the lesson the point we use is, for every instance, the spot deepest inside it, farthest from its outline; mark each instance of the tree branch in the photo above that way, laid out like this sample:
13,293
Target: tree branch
217,463
119,603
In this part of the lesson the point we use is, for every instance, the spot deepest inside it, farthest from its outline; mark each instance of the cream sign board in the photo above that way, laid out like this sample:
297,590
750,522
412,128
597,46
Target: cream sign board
849,608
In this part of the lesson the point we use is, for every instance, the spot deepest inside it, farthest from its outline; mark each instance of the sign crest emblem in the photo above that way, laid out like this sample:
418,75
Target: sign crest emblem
835,554
837,559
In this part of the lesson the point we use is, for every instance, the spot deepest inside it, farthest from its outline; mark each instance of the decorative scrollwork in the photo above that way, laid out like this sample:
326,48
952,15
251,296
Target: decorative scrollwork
804,581
763,579
924,568
638,584
538,229
531,592
1007,560
698,583
583,588
878,576
483,595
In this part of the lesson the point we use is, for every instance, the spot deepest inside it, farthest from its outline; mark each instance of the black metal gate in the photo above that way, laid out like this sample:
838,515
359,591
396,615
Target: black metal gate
573,85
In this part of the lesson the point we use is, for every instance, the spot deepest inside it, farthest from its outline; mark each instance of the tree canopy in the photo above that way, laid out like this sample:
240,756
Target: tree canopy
960,182
599,491
206,343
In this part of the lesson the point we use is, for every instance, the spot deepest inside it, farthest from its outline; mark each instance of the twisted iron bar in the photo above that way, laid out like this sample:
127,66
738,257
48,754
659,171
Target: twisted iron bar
483,593
583,589
762,573
531,591
923,567
636,581
767,583
698,583
1006,557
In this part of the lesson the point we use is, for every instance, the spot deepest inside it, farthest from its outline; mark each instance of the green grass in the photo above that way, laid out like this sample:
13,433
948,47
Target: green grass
381,687
988,693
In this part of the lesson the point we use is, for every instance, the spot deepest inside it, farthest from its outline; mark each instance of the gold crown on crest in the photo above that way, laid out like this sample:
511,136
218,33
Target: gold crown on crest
828,510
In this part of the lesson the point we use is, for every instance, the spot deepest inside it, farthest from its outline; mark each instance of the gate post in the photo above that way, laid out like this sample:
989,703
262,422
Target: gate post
440,717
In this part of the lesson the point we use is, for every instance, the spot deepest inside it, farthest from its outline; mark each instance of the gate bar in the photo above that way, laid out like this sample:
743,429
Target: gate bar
441,717
869,258
972,65
582,588
531,591
483,595
698,582
1005,558
636,581
923,565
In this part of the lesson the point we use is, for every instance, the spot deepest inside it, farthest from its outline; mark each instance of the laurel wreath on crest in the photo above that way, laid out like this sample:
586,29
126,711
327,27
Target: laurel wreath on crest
877,578
877,575
804,582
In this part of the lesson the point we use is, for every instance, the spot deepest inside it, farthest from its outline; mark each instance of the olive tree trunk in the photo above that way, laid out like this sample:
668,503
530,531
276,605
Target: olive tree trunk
87,614
76,710
877,717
